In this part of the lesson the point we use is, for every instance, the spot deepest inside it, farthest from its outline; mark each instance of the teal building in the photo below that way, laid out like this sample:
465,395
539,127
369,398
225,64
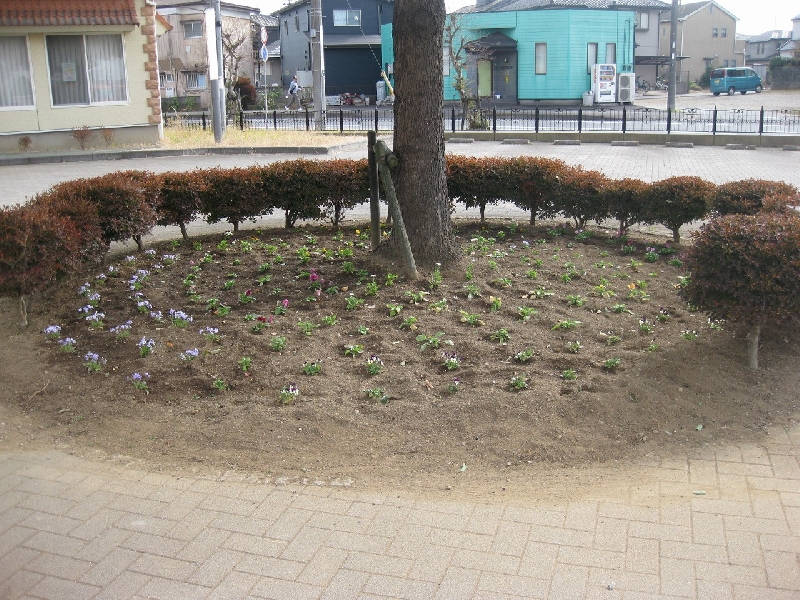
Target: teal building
523,51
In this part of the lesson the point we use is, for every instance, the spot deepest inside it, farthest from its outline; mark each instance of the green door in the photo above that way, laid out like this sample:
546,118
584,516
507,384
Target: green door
484,78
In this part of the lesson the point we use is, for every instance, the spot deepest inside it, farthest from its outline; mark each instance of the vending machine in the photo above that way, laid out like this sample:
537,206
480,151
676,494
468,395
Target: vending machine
604,83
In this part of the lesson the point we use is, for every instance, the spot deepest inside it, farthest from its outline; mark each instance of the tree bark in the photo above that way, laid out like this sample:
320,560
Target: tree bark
419,130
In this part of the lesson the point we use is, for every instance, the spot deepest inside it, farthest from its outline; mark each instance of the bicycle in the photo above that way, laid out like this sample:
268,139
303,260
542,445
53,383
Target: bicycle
661,85
642,85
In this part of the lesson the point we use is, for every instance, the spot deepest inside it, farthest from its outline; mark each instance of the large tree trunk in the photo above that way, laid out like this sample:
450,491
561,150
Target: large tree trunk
420,178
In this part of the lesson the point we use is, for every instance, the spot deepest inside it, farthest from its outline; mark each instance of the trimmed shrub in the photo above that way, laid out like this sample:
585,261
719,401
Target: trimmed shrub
537,180
747,196
580,195
345,184
480,181
234,195
36,247
66,203
180,198
746,268
126,202
625,199
676,201
297,188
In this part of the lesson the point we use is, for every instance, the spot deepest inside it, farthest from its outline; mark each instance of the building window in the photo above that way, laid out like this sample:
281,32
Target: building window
165,78
445,61
643,21
346,18
611,54
540,58
591,56
733,63
86,69
195,81
15,73
724,32
286,26
714,32
725,64
297,22
192,29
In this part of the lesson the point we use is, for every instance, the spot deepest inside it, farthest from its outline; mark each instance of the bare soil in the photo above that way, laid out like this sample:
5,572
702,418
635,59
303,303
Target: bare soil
412,423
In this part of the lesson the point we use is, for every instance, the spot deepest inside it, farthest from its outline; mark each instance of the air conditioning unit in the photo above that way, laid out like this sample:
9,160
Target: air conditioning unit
626,87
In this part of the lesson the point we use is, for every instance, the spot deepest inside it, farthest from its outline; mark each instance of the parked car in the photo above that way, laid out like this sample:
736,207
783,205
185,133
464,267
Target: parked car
734,80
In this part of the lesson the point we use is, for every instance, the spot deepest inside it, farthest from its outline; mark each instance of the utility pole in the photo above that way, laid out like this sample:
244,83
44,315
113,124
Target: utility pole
673,57
218,83
318,71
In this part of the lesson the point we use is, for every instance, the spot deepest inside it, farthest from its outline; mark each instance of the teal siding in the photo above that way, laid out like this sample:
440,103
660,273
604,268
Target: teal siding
566,33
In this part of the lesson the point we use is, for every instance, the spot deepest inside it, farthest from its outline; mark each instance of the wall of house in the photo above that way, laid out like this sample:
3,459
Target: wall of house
50,128
695,40
374,14
179,56
566,33
295,43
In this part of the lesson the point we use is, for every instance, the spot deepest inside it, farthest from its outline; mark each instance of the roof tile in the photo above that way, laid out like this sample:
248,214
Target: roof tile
50,13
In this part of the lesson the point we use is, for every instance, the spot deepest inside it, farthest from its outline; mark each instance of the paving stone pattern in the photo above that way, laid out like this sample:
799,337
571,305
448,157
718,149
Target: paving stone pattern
723,523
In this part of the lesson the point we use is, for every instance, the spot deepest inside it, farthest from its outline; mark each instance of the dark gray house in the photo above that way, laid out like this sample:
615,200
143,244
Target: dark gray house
351,42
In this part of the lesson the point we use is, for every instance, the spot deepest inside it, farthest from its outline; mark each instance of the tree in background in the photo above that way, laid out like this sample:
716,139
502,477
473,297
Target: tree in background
458,49
421,182
236,45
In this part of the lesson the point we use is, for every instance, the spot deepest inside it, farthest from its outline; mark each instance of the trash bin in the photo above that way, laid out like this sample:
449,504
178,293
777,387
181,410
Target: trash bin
588,98
381,88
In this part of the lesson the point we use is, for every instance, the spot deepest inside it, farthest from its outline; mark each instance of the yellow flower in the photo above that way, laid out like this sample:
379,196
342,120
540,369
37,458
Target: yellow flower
631,286
358,232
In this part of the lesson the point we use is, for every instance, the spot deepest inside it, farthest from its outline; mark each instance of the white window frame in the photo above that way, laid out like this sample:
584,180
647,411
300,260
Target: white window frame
540,58
87,75
192,26
347,18
591,56
714,32
723,32
643,21
196,84
31,82
164,78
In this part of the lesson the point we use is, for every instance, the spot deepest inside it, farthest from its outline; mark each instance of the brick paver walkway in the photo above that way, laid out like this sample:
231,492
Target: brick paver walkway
723,523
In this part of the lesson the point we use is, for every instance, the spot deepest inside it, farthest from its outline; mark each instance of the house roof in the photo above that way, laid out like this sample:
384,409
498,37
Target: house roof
50,13
265,20
351,41
521,5
687,10
768,36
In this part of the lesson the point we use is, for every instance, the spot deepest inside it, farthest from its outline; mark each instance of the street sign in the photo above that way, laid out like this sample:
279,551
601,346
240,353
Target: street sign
264,35
263,53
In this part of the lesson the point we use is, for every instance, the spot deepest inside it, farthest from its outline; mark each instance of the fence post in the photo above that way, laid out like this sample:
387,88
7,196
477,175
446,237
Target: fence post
241,120
275,119
669,121
624,119
536,120
308,120
580,119
203,116
453,118
341,120
714,123
761,122
494,119
376,119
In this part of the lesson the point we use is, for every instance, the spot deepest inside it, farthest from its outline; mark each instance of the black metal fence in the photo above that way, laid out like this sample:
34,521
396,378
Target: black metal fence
622,119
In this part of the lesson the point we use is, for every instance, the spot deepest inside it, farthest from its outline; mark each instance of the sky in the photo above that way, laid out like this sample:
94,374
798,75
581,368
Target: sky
755,16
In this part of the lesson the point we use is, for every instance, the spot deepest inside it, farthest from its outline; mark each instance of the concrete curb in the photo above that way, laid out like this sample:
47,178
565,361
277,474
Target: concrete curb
92,155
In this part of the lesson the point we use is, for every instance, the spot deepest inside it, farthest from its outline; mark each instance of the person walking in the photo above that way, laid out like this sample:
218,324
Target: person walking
294,99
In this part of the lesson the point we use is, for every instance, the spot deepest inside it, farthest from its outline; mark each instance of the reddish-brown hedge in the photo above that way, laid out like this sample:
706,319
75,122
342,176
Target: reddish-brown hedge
746,197
676,201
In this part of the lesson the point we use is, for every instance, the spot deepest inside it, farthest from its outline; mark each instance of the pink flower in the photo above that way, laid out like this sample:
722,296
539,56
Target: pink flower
285,303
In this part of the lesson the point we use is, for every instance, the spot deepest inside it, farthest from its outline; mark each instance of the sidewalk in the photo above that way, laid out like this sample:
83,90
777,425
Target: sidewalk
723,523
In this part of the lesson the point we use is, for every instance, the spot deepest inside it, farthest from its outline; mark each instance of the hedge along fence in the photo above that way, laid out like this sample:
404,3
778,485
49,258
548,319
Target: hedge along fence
128,204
